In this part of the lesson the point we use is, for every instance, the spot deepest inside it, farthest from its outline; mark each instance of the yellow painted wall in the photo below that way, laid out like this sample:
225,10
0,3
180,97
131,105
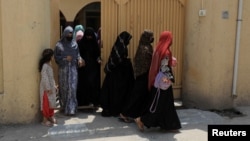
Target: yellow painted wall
209,50
26,31
55,30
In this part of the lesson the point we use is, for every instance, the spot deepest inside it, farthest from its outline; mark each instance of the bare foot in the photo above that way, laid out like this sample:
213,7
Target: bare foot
53,120
46,123
139,124
124,119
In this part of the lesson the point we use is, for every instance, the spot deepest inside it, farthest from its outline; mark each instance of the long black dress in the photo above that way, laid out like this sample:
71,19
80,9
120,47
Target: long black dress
165,115
139,99
88,90
119,77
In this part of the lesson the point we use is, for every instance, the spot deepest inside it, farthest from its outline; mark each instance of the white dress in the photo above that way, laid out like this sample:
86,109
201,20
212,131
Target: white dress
48,83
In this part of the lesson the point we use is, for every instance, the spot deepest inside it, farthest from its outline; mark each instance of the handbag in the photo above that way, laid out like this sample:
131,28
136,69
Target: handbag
162,81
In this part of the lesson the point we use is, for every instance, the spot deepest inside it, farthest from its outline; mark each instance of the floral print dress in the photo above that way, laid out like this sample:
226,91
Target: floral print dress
47,83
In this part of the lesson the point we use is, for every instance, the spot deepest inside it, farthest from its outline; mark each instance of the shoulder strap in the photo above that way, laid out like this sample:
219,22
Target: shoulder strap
155,101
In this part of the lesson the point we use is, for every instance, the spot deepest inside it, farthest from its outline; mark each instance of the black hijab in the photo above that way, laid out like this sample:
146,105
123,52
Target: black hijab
88,45
119,51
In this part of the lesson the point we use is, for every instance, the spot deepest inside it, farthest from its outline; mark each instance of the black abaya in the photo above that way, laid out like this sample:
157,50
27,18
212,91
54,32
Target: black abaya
116,89
165,115
88,91
139,98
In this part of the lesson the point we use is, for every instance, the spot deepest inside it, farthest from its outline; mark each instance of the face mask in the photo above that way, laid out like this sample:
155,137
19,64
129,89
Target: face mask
69,38
152,40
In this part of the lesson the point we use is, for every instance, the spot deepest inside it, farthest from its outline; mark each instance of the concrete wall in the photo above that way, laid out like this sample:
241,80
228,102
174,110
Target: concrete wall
209,52
26,31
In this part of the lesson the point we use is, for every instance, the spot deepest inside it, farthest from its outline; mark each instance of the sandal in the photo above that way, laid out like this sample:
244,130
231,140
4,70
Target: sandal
46,123
124,119
139,124
53,120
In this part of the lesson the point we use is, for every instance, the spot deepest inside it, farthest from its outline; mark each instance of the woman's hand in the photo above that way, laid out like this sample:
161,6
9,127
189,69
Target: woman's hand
81,63
69,58
99,61
49,91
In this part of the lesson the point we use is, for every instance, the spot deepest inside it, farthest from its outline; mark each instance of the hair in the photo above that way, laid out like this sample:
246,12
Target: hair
46,57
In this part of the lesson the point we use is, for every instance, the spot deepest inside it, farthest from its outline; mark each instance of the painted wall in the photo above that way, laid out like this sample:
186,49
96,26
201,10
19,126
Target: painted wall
26,31
209,52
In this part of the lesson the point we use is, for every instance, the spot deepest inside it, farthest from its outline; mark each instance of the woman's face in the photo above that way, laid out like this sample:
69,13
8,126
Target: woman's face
69,37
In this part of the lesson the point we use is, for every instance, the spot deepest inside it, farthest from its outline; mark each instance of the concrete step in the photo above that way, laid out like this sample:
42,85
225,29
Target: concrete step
67,129
178,104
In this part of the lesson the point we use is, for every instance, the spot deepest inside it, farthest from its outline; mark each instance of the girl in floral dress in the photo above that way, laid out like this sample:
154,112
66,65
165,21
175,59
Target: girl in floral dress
48,88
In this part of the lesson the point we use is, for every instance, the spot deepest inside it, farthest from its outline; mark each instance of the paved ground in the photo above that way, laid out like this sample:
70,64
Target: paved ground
91,126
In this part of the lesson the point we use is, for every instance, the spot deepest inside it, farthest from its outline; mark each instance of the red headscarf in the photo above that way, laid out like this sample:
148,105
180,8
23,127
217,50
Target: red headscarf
162,51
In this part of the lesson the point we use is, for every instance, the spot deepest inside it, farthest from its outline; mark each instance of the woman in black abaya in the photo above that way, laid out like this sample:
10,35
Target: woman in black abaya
88,91
140,95
162,112
119,77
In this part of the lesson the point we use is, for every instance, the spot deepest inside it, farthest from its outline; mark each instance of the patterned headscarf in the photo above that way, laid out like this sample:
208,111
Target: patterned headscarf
119,51
162,51
122,42
144,52
146,37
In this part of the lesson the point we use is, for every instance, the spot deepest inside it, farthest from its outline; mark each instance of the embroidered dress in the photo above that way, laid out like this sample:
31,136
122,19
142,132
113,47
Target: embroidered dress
68,75
119,77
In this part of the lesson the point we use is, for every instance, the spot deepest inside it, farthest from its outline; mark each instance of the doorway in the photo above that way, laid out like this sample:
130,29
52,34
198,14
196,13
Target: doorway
89,16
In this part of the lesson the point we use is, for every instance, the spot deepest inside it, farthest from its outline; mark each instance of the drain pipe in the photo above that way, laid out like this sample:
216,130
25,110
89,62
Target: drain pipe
237,47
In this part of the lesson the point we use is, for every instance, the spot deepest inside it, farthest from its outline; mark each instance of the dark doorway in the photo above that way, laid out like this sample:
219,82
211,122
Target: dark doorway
89,16
63,22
